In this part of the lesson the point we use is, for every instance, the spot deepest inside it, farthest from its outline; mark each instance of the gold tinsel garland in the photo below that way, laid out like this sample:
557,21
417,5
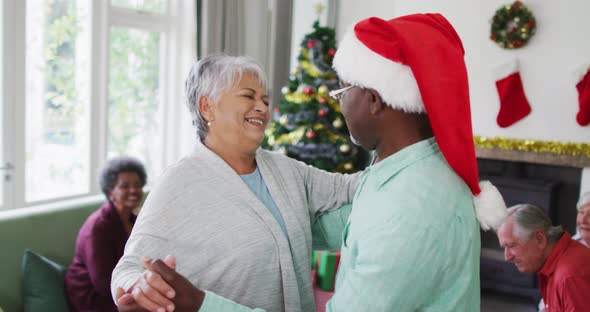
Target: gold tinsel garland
534,146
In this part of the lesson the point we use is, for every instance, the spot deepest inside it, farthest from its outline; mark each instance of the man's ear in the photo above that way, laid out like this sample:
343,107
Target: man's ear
206,108
376,104
541,238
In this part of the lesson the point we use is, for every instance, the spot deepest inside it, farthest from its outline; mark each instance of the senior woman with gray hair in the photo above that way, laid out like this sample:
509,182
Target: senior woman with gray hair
237,218
534,245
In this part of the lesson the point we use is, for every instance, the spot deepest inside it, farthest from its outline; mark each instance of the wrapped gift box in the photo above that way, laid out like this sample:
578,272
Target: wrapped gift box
325,264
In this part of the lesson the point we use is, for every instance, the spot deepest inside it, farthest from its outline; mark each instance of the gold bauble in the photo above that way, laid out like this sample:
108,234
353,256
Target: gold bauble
523,36
348,166
295,70
517,19
323,89
284,120
344,148
337,123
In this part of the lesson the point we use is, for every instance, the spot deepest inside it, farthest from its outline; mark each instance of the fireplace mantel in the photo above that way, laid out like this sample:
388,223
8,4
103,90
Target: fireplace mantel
579,161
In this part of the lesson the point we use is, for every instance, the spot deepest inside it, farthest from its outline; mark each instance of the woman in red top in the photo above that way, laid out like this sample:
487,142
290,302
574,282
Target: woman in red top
102,238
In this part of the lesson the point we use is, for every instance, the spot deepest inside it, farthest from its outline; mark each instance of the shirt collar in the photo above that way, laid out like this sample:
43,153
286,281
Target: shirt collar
556,253
386,168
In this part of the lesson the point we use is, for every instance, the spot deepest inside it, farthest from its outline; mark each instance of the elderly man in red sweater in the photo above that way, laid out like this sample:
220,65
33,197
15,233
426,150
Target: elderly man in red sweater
535,246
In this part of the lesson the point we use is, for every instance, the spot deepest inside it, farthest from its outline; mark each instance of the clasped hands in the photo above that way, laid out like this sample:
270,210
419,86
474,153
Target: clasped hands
160,289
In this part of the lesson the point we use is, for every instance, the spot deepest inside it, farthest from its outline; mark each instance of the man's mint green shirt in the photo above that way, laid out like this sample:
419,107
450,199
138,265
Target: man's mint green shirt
412,240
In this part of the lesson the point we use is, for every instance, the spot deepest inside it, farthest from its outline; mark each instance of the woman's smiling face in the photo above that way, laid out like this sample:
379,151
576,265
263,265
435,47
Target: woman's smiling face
241,114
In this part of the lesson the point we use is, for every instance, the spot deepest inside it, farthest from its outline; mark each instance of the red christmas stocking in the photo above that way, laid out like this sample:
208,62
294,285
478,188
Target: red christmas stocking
514,105
583,86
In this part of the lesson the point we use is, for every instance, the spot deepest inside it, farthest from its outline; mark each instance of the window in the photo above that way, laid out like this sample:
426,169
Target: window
84,80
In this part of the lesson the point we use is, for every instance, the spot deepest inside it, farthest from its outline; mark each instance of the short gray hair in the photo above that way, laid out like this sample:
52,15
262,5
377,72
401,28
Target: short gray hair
211,76
528,218
584,199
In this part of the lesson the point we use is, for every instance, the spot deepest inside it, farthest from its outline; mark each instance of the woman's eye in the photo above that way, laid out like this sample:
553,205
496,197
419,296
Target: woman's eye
250,96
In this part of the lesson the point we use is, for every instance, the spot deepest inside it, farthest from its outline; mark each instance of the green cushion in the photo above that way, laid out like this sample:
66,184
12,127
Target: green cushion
43,284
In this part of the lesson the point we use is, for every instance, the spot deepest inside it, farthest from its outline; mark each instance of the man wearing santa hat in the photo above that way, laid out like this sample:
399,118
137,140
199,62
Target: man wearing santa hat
412,241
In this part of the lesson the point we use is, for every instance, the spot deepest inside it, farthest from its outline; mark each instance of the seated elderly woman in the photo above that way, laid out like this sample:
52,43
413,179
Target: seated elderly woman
237,218
103,235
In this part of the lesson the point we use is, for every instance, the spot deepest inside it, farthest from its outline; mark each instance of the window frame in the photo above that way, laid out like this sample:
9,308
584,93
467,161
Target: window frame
178,36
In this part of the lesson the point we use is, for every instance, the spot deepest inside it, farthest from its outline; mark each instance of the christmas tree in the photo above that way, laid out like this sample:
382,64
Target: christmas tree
307,124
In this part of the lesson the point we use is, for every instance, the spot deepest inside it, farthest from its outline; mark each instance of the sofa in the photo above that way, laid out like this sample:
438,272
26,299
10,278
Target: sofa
48,230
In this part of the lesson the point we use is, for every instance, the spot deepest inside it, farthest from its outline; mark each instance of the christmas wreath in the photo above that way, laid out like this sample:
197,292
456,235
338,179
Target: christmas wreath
513,25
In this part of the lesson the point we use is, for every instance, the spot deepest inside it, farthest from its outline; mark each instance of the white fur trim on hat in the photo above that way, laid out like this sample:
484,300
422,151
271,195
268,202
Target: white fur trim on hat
360,66
490,208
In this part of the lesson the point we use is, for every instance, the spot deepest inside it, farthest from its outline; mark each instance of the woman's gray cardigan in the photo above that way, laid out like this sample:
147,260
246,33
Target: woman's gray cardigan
225,240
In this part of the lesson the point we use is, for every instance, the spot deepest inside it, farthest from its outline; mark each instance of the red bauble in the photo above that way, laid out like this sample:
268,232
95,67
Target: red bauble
323,100
332,52
276,109
310,134
308,90
311,44
323,112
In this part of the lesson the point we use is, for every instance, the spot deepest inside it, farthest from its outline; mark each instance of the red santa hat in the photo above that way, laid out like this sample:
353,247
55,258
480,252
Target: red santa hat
416,64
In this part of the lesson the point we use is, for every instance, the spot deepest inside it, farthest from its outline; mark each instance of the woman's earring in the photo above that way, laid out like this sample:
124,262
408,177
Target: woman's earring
208,124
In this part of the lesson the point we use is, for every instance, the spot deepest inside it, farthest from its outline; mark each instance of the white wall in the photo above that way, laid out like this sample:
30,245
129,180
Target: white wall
547,63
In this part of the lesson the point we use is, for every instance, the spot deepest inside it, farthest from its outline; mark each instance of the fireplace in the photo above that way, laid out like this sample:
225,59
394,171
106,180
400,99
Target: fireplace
553,188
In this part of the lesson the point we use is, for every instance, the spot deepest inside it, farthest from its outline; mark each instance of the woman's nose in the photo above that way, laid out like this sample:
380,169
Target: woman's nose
261,107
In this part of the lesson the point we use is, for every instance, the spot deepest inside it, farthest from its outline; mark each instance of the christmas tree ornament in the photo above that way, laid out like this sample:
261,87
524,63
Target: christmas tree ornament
331,52
514,105
322,100
344,148
323,89
308,90
285,90
284,120
311,44
310,134
322,112
337,123
348,166
583,87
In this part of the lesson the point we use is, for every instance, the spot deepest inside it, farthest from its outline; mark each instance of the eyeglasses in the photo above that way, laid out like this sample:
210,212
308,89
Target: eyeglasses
338,93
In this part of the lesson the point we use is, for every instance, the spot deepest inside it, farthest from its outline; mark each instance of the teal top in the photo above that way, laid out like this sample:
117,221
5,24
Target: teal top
256,184
412,240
